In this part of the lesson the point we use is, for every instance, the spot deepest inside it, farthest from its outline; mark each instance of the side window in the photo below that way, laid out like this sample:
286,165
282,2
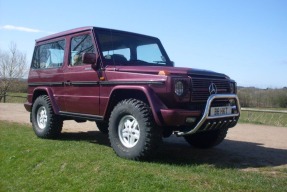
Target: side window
79,45
50,55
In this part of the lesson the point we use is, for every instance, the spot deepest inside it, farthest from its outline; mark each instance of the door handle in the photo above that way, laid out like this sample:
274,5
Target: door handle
68,83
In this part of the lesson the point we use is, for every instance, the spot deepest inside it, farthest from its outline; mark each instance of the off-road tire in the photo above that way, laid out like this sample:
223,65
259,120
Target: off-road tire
205,140
46,124
150,135
103,127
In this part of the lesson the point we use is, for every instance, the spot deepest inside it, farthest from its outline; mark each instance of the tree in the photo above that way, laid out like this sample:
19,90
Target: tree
13,67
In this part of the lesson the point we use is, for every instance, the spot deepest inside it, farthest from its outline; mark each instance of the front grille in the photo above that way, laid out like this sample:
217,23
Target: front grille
200,88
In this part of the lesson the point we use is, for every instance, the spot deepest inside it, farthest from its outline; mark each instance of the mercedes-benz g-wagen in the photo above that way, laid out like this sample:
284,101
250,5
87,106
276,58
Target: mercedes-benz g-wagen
128,85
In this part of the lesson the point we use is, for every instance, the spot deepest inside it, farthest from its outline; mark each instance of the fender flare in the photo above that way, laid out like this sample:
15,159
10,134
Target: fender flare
48,92
153,100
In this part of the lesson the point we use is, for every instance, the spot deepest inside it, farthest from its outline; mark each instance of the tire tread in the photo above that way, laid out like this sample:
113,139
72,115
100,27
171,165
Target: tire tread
153,133
54,124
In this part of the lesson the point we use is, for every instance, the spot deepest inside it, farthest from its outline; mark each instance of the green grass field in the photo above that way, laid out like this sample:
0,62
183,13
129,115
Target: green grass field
15,98
264,118
86,162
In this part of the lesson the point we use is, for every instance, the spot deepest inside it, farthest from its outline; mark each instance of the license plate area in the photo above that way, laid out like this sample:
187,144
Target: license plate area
218,111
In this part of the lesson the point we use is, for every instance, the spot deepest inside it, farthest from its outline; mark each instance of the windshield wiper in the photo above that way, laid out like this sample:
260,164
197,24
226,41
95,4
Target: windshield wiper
160,62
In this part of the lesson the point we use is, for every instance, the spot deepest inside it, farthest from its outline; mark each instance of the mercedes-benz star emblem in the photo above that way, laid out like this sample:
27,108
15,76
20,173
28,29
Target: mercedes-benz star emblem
212,89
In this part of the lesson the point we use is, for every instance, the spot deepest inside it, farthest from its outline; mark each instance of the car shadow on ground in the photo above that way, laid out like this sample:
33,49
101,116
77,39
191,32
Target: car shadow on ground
229,154
91,136
175,151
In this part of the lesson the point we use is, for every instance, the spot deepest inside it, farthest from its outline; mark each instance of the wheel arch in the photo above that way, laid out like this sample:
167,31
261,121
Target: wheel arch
46,91
143,93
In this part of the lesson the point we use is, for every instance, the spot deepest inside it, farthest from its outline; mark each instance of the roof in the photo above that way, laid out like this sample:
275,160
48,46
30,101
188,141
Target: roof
81,29
64,33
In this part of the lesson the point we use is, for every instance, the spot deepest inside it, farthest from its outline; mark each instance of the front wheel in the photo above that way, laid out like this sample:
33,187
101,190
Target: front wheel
46,124
204,140
132,131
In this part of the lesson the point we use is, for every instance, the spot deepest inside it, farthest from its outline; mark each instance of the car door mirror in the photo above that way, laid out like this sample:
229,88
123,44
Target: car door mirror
89,58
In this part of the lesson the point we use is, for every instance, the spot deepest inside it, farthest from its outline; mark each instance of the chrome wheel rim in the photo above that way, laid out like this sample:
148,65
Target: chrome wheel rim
42,117
129,131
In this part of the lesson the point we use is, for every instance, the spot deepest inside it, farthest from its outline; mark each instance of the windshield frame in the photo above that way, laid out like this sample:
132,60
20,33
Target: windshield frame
113,33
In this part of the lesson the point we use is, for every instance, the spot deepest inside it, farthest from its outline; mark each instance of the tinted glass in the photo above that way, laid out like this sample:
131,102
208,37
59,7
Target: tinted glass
79,45
150,53
49,55
122,48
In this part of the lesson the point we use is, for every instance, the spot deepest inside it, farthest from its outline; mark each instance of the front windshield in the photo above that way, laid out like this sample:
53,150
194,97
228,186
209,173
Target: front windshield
121,48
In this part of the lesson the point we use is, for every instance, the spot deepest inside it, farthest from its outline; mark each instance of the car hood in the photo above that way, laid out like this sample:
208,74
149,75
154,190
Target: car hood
180,71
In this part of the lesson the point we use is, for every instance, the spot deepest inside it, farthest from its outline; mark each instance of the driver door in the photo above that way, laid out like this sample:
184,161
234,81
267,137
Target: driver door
81,81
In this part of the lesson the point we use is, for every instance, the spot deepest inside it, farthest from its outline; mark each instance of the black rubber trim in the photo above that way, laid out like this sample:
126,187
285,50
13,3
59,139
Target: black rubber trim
63,83
80,83
85,83
46,84
82,116
131,82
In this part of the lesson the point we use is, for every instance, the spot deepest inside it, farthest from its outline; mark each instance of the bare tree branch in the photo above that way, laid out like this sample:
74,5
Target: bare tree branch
13,67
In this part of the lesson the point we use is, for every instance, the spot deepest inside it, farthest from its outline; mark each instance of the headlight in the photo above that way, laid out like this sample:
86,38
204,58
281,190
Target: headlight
179,88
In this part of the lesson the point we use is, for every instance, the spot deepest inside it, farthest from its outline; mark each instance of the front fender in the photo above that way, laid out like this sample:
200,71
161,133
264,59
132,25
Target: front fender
153,100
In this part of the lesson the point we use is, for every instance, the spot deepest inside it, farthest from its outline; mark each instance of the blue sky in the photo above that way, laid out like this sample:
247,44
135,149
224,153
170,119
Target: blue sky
245,39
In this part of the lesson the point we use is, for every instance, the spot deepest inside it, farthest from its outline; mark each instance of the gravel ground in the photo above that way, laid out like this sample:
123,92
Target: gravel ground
246,146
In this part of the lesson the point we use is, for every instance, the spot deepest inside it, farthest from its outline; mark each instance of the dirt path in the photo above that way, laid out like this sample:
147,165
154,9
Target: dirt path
246,145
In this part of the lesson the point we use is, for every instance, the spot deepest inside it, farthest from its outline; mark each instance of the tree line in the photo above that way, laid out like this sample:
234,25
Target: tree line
262,98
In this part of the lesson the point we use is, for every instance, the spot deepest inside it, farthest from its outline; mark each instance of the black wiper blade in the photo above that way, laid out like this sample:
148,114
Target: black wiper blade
158,62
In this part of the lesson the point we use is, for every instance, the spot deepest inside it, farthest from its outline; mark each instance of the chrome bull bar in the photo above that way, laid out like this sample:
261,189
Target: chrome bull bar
206,116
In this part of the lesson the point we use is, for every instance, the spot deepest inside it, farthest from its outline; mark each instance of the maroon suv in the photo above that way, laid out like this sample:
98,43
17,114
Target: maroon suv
127,84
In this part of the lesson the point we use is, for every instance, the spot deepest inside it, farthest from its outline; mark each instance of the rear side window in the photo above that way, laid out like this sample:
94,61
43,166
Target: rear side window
50,55
79,45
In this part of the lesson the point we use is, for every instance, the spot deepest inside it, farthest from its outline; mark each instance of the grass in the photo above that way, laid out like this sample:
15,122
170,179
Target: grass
264,118
15,97
85,162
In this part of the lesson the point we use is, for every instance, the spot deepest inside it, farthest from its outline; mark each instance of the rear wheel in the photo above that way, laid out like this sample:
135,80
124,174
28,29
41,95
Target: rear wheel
208,139
132,131
46,124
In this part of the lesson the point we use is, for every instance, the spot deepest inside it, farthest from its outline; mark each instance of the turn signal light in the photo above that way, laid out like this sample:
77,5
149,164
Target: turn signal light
165,73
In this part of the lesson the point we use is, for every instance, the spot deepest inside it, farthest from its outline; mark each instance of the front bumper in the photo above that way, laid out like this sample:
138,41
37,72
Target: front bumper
177,117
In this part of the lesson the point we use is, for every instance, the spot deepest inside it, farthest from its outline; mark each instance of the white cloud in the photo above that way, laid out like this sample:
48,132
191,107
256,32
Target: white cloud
25,29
